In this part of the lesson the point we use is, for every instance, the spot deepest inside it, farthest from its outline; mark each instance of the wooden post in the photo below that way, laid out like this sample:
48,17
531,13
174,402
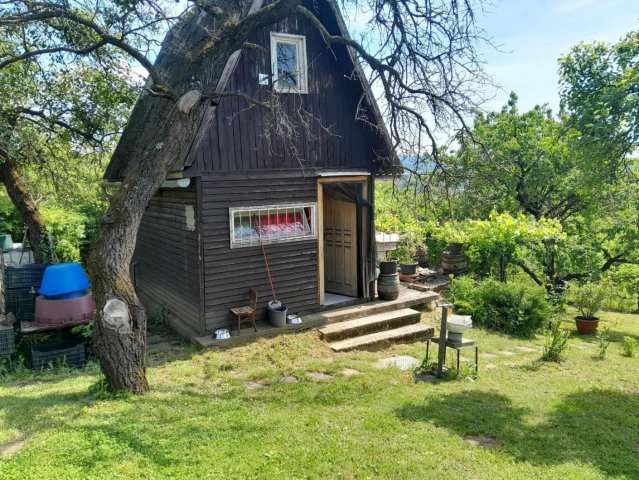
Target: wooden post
442,340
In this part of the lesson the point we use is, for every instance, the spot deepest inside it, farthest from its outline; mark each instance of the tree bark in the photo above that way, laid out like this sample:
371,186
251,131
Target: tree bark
23,202
119,333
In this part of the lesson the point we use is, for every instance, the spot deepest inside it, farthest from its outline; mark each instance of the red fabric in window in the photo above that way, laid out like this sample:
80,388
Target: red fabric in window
281,219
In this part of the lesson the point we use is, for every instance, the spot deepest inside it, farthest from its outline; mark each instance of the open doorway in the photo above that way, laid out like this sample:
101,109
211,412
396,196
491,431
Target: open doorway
343,242
340,248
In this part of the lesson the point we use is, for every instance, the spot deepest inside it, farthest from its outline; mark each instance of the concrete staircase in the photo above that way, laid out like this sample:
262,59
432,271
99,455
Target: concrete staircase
377,324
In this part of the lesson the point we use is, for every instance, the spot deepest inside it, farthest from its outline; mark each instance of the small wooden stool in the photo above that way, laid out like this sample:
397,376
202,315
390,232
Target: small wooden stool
466,342
246,314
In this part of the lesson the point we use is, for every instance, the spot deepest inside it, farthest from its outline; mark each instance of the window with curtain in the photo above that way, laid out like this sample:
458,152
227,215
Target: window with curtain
272,224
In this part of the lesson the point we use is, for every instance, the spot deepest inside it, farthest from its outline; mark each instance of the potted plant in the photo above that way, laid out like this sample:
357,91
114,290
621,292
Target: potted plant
407,264
588,299
422,256
388,266
454,233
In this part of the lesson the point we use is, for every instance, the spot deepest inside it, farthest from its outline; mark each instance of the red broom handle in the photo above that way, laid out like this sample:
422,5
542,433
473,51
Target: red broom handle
268,271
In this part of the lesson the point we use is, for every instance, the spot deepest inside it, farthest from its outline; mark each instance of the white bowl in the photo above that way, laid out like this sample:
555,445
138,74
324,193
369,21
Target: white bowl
459,323
222,334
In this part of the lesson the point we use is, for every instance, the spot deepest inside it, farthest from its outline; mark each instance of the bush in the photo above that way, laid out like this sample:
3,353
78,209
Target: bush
556,341
513,308
629,346
589,299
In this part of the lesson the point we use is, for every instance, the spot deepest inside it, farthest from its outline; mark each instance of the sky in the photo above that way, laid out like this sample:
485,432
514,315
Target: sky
533,34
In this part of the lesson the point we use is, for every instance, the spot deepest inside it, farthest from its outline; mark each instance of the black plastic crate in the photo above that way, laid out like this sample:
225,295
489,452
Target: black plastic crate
23,276
20,302
7,341
70,354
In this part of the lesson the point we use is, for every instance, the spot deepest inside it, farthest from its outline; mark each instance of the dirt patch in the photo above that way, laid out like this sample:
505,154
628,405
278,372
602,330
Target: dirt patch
425,377
349,372
483,441
9,448
507,353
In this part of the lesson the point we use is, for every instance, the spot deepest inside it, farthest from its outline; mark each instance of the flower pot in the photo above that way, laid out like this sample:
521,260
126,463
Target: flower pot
455,248
408,268
586,326
422,260
388,267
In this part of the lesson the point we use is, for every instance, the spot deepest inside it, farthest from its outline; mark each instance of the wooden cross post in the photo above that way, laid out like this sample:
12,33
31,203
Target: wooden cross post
442,340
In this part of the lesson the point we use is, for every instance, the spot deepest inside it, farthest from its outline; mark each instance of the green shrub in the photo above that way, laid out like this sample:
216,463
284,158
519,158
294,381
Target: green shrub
588,299
603,341
629,346
556,341
513,308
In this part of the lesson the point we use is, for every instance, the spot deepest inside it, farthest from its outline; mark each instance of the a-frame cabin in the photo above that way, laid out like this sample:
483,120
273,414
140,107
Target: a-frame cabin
306,195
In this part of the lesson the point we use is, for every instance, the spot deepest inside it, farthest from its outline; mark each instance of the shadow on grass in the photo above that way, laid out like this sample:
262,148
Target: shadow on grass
163,431
598,427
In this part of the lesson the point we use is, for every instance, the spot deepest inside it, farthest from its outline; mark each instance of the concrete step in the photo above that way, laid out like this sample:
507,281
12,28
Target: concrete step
418,331
373,323
407,299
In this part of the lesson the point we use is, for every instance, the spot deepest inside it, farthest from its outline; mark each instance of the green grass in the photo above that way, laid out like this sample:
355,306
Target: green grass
578,419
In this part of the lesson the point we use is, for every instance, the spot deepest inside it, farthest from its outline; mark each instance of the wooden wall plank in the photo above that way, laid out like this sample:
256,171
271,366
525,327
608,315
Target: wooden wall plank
230,273
166,261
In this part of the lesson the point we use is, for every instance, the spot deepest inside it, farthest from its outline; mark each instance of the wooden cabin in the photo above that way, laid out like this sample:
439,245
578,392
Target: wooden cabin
308,200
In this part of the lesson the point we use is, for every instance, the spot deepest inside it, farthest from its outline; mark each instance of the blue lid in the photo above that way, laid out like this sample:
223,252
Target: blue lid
63,278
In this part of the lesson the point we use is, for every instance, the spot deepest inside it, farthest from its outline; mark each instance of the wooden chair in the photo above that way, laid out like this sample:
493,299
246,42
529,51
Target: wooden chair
246,314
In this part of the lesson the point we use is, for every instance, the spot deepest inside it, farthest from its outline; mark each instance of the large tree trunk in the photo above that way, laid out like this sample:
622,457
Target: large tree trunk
119,333
22,201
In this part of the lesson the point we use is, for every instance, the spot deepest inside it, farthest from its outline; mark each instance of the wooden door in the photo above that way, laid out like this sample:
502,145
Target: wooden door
340,246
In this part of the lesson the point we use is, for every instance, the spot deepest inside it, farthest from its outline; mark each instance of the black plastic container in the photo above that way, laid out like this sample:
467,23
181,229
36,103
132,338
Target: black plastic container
70,354
23,276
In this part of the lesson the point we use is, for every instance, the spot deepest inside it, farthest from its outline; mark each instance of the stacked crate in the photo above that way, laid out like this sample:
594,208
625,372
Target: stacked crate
18,287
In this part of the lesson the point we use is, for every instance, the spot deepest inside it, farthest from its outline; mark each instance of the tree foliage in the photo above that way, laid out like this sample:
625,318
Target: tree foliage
598,88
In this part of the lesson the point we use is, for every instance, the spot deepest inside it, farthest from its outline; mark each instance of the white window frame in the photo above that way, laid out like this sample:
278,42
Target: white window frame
299,41
258,211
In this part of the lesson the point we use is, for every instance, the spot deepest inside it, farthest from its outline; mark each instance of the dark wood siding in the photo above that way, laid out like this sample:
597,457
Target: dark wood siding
236,140
230,273
166,261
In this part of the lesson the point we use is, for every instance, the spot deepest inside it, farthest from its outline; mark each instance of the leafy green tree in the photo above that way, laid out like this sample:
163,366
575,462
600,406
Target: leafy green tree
598,87
514,161
494,244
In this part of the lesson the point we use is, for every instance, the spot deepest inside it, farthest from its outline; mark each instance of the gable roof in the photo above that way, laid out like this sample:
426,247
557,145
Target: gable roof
148,109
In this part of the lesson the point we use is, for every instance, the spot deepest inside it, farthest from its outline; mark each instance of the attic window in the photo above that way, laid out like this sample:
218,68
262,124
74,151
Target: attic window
272,224
288,59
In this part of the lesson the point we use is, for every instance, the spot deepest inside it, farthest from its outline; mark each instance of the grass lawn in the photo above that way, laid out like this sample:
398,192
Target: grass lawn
239,414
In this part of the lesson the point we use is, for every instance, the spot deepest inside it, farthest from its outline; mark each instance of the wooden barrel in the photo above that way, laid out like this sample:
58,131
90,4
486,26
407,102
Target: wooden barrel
387,292
388,279
454,262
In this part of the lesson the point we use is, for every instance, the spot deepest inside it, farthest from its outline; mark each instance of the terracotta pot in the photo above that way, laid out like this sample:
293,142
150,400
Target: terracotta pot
587,326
